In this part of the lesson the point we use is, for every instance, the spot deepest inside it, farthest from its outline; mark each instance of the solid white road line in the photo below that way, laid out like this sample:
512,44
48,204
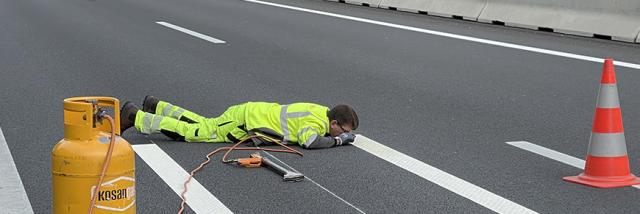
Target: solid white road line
190,32
198,198
13,198
317,184
454,36
454,184
561,157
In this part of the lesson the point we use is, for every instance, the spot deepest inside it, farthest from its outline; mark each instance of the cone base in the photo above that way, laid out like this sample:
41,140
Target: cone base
604,181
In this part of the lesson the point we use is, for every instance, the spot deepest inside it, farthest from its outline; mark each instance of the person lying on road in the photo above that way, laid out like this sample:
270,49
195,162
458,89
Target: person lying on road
312,126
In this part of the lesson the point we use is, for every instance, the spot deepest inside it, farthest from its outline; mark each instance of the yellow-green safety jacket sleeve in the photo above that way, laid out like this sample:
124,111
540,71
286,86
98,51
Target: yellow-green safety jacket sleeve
311,139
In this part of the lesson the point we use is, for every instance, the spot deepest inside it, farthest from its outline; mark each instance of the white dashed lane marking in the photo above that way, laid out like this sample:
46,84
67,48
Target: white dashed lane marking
192,33
199,199
448,181
567,159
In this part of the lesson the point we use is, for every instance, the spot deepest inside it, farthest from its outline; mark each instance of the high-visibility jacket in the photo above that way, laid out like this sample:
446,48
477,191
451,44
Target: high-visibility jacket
303,123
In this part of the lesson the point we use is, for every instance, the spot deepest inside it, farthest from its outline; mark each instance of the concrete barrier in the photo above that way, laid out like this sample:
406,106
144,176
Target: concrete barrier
414,6
465,9
368,3
462,9
609,19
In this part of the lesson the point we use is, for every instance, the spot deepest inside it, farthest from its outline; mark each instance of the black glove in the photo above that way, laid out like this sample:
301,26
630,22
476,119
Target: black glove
345,138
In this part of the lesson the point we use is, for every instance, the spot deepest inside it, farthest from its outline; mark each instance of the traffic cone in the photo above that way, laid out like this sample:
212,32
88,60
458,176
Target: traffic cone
607,163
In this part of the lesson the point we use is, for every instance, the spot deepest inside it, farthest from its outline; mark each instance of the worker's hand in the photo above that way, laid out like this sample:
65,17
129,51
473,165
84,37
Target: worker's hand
345,138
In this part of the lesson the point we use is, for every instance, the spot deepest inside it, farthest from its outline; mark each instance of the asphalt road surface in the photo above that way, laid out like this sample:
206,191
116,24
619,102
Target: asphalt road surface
444,101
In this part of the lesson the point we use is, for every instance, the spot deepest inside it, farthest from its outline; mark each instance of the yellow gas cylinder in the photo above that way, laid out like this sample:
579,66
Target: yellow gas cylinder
77,160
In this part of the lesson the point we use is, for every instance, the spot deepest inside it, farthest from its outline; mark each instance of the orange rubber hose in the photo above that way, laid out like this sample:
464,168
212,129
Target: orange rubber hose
224,160
105,165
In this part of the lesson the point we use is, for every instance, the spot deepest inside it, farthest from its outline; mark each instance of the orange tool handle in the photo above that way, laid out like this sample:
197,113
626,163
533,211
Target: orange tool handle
250,162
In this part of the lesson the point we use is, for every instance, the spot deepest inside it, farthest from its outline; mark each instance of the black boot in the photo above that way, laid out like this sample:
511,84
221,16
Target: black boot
128,115
149,104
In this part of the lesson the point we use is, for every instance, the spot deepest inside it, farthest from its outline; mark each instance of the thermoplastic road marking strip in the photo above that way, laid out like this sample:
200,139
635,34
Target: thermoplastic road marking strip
454,36
561,157
190,32
570,160
199,199
454,184
13,198
317,184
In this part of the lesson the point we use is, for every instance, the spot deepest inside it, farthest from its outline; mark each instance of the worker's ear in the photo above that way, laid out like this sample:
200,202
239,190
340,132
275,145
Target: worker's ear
334,122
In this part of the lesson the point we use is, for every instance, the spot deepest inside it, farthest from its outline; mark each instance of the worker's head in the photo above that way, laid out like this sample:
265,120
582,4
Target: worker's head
342,118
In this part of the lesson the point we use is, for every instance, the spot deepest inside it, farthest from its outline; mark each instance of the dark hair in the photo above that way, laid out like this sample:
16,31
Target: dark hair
344,114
